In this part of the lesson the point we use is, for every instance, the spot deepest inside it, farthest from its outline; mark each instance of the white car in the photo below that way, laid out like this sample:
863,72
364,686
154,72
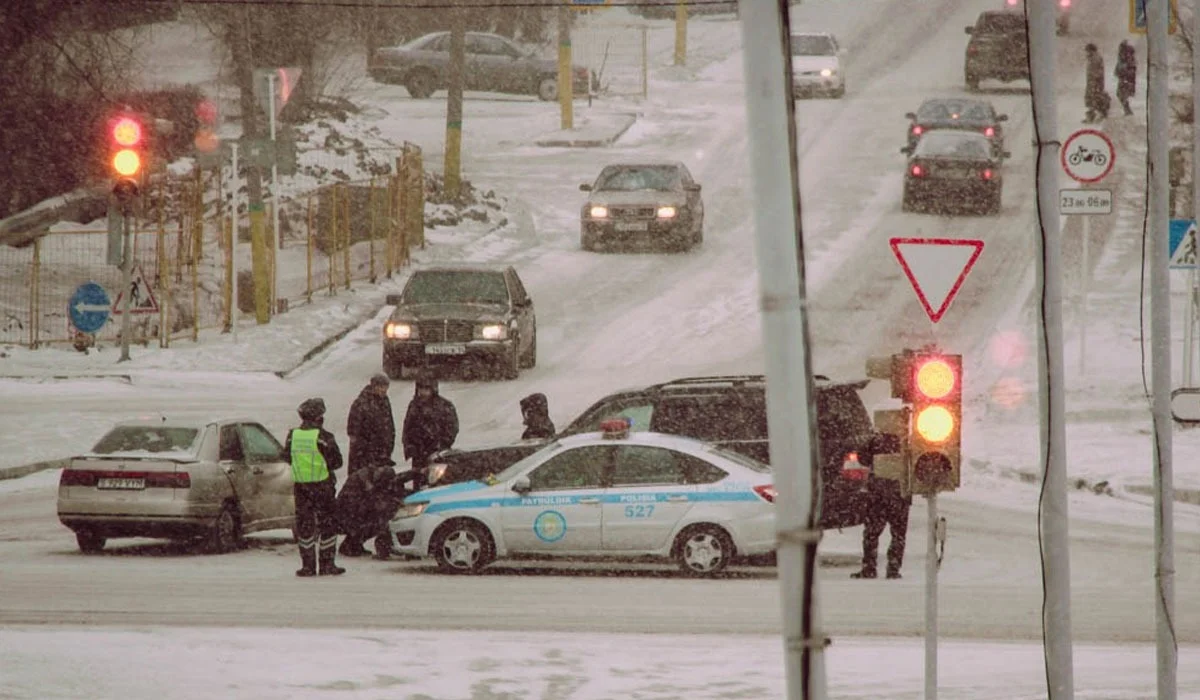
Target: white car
817,65
612,494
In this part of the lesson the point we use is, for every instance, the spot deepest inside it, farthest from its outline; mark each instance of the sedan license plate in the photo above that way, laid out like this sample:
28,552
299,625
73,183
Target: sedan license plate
957,174
121,483
445,349
633,226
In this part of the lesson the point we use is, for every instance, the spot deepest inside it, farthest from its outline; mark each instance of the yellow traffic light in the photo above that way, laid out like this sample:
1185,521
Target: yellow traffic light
935,441
127,163
935,423
127,146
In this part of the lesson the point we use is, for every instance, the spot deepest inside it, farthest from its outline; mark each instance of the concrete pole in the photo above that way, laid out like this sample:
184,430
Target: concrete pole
779,247
566,86
1086,225
233,241
1055,535
931,606
1193,277
1157,23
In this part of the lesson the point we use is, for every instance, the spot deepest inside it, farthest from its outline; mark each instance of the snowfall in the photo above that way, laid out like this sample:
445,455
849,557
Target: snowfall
55,402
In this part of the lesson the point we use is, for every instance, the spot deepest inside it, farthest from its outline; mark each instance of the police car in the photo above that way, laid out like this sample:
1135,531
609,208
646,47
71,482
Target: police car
611,494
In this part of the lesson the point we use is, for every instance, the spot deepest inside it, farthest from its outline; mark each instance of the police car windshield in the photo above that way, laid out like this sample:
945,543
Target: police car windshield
739,458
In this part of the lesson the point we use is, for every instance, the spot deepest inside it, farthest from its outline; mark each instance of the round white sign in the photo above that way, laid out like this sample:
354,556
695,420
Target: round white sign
1088,155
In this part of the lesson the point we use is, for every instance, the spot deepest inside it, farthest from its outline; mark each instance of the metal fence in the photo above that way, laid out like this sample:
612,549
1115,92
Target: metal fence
185,261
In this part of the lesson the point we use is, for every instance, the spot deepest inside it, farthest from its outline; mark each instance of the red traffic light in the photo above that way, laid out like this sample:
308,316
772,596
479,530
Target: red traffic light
127,131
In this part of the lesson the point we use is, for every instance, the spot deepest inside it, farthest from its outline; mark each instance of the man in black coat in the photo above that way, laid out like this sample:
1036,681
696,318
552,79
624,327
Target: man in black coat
1126,74
371,426
430,425
535,410
1095,96
888,508
365,505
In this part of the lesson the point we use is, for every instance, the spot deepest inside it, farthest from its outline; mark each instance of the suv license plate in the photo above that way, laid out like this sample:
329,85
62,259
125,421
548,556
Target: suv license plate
442,349
634,226
127,484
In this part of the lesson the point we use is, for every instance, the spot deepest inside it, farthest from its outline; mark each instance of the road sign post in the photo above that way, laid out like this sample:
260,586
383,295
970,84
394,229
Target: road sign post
1182,248
936,267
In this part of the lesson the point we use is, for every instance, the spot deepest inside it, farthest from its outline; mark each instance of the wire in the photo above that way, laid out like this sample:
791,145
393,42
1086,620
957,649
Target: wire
427,4
1037,180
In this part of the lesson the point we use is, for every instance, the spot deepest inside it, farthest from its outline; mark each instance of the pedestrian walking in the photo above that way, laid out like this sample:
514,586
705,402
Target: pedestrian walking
1095,96
314,456
535,412
430,425
887,508
371,426
1126,73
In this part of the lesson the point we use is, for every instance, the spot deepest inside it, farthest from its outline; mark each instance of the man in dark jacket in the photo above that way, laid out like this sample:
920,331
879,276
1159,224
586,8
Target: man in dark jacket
887,508
1126,73
314,456
430,425
371,427
365,505
535,410
1095,97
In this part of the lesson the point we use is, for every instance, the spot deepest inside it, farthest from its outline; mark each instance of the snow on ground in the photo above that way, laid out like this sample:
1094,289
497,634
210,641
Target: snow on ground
426,665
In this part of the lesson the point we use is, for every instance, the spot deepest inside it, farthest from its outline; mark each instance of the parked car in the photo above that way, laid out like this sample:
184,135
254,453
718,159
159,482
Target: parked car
957,113
453,314
953,169
179,479
643,204
609,494
728,411
494,64
1062,22
817,66
997,50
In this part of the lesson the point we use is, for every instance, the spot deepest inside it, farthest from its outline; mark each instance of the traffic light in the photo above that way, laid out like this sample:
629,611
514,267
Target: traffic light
935,438
128,148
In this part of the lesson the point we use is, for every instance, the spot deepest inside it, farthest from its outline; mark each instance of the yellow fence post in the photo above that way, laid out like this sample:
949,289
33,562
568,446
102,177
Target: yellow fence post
346,229
35,285
389,212
371,230
229,236
308,250
331,240
164,302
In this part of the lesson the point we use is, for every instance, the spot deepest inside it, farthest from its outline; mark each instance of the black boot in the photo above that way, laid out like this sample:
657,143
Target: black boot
308,558
892,573
328,551
865,573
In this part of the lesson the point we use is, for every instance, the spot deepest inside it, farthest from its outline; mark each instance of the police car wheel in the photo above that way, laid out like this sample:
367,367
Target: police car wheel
703,550
462,547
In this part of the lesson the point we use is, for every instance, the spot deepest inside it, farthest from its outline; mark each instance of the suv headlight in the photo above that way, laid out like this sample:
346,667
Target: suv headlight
400,330
491,331
410,510
826,72
598,212
436,472
666,212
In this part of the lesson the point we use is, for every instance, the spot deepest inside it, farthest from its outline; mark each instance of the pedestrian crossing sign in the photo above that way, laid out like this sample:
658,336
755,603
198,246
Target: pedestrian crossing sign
1137,16
1183,244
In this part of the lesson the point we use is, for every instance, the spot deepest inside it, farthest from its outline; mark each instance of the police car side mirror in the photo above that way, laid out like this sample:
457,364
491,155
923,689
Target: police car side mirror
521,485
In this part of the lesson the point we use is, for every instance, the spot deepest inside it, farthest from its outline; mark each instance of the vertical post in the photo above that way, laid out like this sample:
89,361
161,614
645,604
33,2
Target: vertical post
371,204
126,281
931,607
233,241
1189,330
1052,509
452,167
645,62
1084,274
566,97
681,18
1193,277
334,239
347,239
275,196
164,302
308,247
35,288
779,248
1158,22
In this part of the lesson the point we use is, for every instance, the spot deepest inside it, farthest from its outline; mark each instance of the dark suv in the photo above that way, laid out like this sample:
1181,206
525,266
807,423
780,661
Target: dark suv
998,49
459,313
727,410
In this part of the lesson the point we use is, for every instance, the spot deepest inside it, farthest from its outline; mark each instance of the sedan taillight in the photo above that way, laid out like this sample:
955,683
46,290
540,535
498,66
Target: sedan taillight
169,480
917,129
989,132
766,492
77,477
917,171
987,174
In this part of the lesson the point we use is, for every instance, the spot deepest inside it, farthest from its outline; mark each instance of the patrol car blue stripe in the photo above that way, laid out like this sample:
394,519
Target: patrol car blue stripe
619,498
449,489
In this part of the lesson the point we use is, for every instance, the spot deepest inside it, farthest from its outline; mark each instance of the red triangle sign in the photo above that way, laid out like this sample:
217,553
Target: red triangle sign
936,267
143,300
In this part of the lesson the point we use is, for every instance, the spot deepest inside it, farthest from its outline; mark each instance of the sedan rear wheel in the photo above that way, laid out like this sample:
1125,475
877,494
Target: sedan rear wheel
226,532
703,550
89,542
420,84
547,88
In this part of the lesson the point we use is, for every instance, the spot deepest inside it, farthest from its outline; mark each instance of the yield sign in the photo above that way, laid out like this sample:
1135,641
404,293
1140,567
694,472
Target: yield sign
936,267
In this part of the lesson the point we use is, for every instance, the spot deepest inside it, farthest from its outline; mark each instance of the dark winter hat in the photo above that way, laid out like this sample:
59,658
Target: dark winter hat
380,380
312,409
534,401
1090,48
426,380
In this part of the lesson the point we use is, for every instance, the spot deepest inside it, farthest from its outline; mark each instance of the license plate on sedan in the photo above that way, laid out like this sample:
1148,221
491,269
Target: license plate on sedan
445,349
957,174
126,484
633,226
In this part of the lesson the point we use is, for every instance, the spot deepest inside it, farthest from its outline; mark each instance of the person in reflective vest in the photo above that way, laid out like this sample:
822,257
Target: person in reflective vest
315,456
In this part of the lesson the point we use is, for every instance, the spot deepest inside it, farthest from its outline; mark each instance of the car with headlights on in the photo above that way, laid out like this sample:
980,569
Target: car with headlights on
953,169
494,64
459,314
643,205
611,494
211,481
959,113
817,65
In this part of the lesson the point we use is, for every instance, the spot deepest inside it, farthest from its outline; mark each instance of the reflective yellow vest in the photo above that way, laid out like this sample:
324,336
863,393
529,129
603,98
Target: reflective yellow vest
308,464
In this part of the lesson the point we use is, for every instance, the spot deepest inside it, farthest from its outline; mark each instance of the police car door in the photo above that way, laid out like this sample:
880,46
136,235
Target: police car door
562,510
647,499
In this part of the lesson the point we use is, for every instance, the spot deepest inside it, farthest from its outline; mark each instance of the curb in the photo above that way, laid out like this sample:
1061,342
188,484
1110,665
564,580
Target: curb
329,341
631,119
126,378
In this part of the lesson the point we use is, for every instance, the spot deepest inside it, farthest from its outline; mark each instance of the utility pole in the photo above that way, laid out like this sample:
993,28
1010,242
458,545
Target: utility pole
780,251
566,87
126,276
1055,533
681,17
243,58
1189,346
452,167
1159,214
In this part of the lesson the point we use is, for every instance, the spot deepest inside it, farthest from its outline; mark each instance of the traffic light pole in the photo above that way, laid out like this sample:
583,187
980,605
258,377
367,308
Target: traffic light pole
126,280
931,601
779,247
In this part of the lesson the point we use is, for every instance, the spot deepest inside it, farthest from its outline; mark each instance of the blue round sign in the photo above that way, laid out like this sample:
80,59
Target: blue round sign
89,307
